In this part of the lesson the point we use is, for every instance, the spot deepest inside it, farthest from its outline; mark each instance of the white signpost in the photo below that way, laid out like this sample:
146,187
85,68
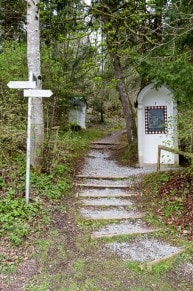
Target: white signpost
22,84
31,85
37,93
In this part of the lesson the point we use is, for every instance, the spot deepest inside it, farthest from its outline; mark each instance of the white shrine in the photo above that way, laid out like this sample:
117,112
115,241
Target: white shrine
77,112
157,125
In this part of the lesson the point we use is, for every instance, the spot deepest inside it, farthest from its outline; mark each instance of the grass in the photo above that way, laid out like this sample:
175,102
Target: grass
67,258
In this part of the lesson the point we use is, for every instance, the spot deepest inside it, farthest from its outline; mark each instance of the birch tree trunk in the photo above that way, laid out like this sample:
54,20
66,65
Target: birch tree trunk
34,67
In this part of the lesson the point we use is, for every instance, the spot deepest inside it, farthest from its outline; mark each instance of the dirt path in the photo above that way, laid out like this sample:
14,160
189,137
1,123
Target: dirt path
99,240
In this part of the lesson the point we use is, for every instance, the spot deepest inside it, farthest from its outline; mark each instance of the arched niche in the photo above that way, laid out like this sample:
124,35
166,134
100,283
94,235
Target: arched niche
157,125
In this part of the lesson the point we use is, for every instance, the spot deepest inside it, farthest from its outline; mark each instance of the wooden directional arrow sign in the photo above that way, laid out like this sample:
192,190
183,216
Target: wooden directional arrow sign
21,84
37,93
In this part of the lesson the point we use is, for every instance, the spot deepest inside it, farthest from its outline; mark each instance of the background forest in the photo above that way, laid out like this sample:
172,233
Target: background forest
106,52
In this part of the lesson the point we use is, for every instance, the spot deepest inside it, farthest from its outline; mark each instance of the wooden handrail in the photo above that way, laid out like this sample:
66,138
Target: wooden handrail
175,151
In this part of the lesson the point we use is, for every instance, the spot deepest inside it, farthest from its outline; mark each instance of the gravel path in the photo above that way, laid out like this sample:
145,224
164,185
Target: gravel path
98,163
143,249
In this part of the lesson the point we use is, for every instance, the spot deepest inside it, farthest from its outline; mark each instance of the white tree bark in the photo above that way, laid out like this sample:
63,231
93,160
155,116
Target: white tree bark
34,66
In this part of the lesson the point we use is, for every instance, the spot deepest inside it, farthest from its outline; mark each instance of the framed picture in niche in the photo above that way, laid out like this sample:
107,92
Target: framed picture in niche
155,119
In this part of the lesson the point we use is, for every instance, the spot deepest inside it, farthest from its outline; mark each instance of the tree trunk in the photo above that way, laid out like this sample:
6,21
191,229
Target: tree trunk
126,106
34,67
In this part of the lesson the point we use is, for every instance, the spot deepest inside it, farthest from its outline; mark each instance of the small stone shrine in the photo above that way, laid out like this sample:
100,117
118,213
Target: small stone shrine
77,112
156,114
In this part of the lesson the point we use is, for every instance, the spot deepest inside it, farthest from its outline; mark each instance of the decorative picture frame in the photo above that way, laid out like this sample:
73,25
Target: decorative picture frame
155,119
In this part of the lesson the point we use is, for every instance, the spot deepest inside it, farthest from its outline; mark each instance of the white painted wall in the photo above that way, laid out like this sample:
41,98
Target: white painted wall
148,143
78,115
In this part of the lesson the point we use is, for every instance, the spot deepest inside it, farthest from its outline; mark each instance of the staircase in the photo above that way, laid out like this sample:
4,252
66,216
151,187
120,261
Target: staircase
111,199
107,194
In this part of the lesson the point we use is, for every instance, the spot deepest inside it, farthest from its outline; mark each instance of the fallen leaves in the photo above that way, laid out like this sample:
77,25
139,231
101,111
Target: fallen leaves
175,202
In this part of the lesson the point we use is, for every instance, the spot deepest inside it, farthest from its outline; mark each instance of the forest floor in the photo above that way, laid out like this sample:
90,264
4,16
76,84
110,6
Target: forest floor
63,255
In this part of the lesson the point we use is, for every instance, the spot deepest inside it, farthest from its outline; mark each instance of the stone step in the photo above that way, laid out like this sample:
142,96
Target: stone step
104,202
104,177
103,186
104,183
102,146
105,194
116,214
124,228
104,143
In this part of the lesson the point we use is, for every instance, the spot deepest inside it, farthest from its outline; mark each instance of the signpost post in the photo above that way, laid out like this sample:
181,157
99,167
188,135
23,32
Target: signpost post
32,92
28,150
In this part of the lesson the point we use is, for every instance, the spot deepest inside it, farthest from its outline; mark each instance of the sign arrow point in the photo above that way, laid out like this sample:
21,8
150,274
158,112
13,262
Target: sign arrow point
37,93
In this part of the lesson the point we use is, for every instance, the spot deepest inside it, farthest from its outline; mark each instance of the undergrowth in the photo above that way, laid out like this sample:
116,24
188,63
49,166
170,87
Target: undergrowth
169,197
48,186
